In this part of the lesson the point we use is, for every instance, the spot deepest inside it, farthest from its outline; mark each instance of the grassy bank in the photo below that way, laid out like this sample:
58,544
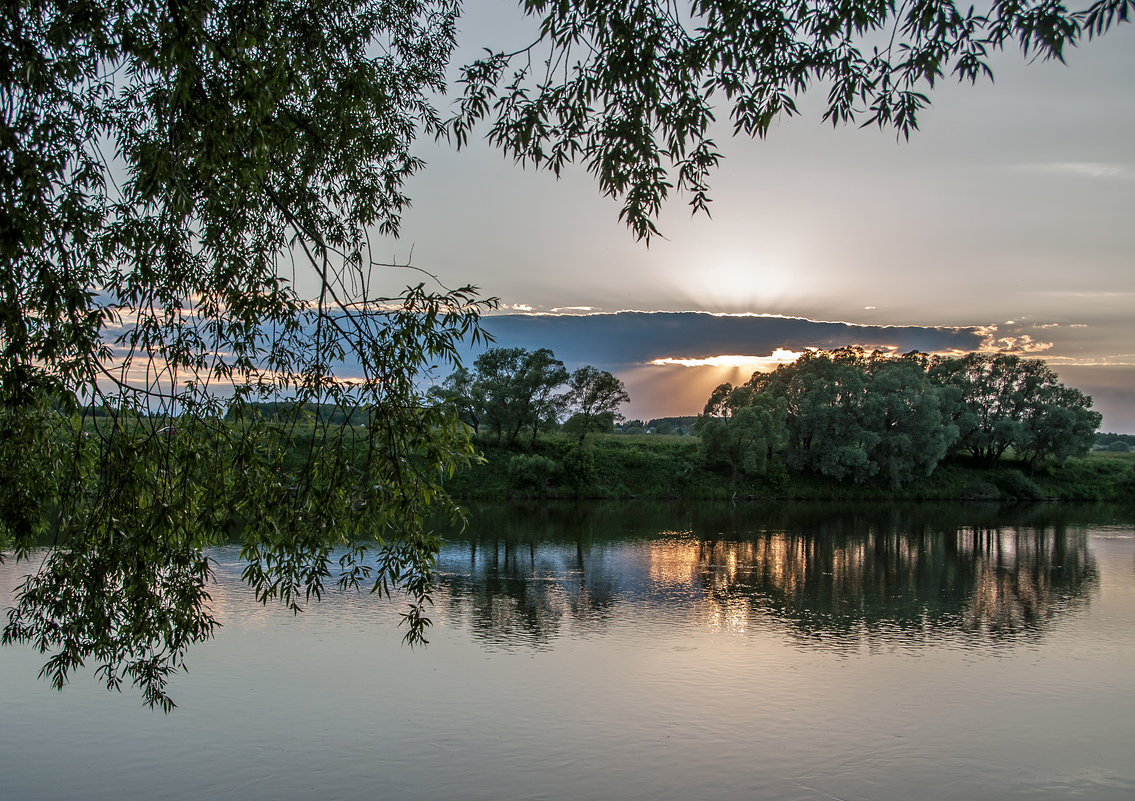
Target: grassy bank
654,466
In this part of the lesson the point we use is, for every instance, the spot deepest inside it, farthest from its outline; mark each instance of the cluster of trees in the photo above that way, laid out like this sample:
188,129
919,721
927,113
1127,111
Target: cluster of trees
852,415
510,391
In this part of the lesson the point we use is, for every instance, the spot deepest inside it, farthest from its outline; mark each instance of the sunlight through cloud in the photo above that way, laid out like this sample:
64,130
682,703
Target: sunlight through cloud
756,363
738,279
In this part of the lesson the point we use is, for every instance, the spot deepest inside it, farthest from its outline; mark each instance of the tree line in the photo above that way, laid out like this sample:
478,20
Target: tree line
851,415
846,414
1116,443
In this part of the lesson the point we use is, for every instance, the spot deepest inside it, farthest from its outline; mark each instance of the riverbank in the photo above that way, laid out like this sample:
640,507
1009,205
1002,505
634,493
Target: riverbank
670,467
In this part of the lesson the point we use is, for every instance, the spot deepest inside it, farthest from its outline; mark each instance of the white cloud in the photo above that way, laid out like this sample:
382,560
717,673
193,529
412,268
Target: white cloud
763,363
1086,169
1023,344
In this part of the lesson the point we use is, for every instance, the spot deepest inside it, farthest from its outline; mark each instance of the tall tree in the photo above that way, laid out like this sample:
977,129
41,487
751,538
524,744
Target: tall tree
543,376
742,428
1062,424
1002,402
830,429
596,396
905,408
457,391
514,389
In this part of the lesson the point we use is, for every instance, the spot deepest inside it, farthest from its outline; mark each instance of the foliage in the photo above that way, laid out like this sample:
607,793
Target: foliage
660,467
129,503
905,409
580,425
632,427
457,391
829,428
596,396
848,415
170,172
1015,484
513,389
629,89
673,425
509,390
287,411
1004,401
579,470
531,472
1103,475
1109,441
743,429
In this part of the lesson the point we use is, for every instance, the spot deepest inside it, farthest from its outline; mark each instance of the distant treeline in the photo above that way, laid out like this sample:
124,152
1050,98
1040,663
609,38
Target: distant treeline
1116,443
659,425
284,411
289,411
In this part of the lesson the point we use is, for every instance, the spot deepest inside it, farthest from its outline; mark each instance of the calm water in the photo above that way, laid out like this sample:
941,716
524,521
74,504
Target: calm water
625,652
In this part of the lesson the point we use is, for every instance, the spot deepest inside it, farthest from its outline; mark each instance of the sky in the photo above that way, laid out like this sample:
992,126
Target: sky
1006,223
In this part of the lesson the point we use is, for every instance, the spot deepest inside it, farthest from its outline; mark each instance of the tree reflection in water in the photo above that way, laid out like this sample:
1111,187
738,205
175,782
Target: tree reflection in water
823,574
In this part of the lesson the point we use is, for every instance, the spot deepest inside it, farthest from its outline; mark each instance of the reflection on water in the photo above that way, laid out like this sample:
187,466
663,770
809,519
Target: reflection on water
905,574
635,652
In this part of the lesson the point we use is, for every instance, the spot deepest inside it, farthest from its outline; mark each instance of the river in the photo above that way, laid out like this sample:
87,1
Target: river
627,651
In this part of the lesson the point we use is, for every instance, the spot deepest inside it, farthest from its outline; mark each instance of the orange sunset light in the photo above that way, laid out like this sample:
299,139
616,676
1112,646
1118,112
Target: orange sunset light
679,385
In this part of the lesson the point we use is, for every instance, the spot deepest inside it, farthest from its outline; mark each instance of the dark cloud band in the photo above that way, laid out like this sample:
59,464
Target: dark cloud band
624,339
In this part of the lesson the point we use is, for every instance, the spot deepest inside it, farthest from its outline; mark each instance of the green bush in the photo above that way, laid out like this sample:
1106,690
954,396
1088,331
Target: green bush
531,473
1016,485
579,471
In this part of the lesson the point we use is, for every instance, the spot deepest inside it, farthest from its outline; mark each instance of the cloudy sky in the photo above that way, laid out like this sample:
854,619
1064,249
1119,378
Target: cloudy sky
1007,222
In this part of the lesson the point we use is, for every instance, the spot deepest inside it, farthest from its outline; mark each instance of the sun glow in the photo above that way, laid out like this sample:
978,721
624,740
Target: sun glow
680,385
734,279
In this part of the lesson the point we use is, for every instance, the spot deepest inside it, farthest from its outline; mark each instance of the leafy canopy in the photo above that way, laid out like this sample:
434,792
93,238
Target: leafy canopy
171,173
854,416
595,395
631,88
742,428
509,390
1003,402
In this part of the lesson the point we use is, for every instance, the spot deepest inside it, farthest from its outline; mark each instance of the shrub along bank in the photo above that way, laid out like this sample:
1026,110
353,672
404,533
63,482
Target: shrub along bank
654,466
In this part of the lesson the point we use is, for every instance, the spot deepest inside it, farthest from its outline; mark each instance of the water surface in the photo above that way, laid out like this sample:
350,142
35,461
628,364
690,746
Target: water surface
626,652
